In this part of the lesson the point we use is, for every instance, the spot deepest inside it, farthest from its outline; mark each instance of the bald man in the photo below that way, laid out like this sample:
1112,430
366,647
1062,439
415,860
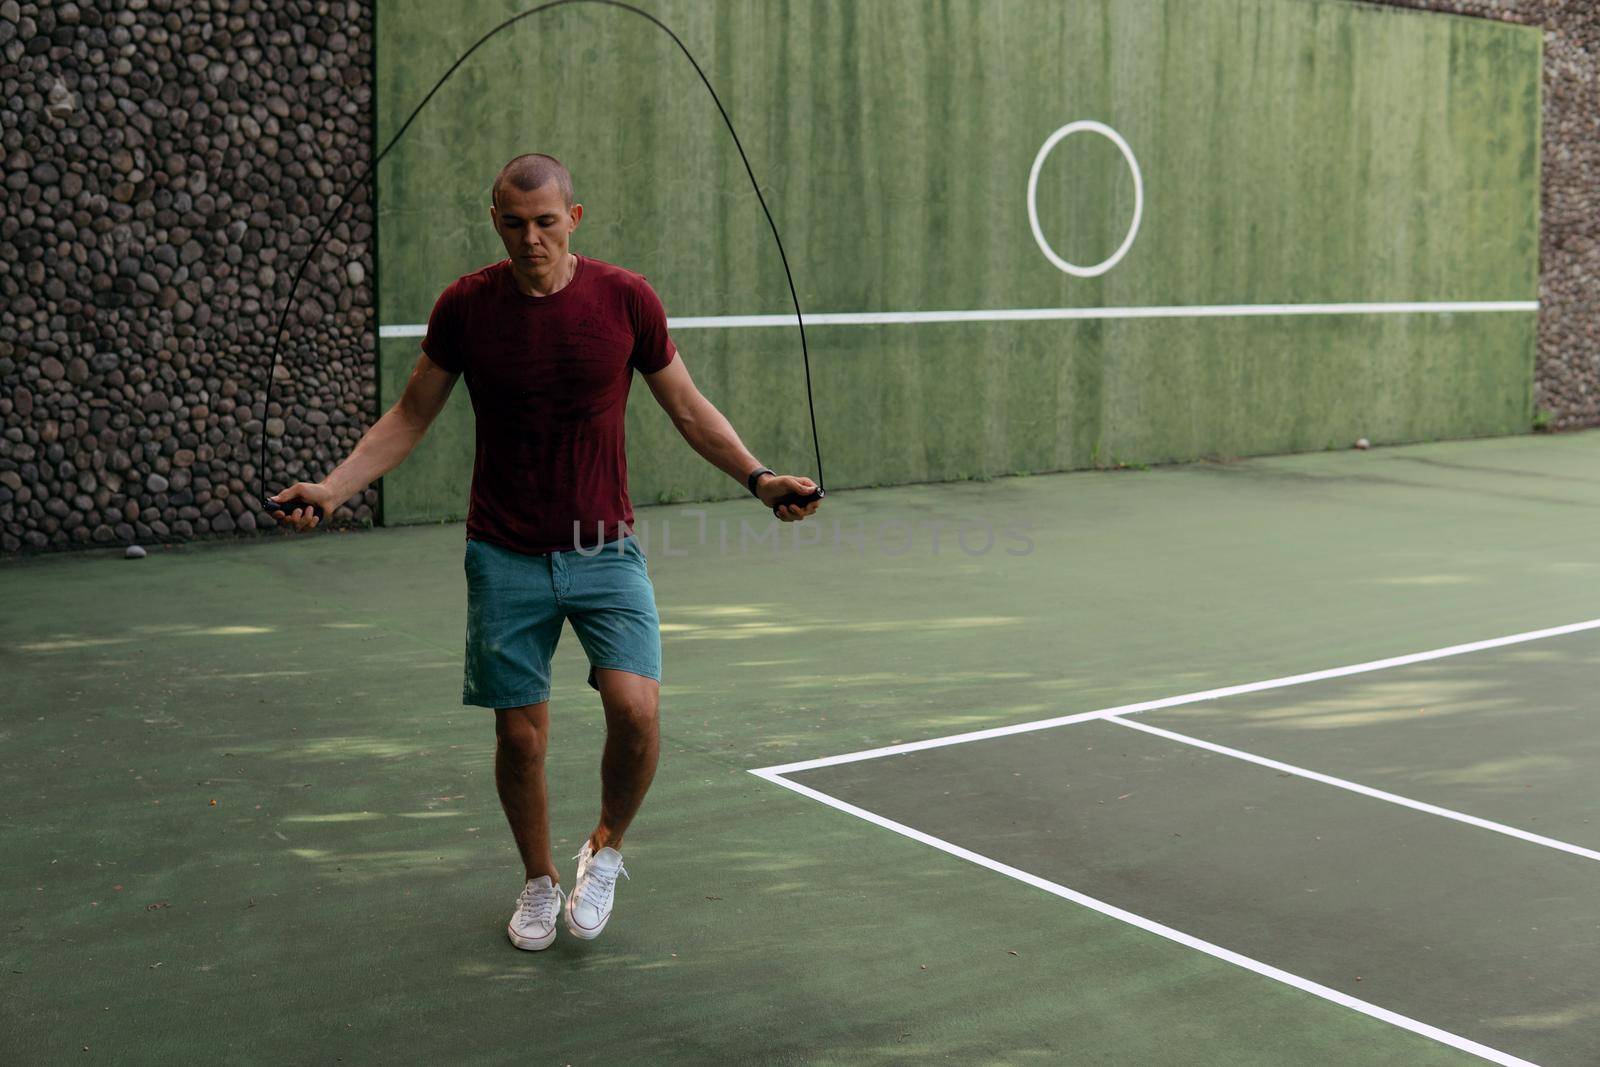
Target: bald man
548,341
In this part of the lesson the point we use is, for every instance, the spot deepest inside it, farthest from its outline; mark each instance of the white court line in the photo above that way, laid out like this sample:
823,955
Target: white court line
1184,311
1187,698
1226,955
1356,787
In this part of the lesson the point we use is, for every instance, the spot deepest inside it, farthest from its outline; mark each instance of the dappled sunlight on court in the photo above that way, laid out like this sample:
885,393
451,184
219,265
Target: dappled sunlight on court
1553,1020
744,630
1313,707
1510,772
722,611
736,632
335,817
1424,579
68,642
739,622
429,814
717,618
750,628
1536,655
65,644
1580,566
351,747
1311,719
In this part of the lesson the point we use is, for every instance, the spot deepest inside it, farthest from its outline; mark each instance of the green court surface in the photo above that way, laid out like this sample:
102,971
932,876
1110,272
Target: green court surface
247,819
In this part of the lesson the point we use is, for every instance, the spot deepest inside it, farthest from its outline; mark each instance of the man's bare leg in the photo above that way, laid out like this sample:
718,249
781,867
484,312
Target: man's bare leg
521,738
633,744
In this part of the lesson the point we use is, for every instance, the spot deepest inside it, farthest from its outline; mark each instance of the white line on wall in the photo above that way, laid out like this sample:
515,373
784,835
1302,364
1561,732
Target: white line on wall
1182,311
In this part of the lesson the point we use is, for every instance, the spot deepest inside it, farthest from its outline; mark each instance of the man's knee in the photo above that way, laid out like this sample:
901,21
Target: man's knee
523,732
634,713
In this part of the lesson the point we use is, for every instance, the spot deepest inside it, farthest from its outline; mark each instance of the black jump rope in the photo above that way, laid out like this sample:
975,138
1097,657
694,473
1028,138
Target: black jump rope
797,499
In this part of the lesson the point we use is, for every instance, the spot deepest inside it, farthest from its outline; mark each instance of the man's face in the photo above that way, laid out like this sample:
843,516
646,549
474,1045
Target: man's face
534,225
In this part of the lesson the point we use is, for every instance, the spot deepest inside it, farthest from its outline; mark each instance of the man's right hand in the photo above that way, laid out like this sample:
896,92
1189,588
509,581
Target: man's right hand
301,517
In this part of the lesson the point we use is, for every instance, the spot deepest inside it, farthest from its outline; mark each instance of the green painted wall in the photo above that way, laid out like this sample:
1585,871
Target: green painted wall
1293,151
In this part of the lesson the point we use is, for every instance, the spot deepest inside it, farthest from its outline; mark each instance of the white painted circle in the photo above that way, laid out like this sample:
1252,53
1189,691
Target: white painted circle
1033,201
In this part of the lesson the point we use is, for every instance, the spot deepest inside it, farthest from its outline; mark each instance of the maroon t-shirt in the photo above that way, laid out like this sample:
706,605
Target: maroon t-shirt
549,379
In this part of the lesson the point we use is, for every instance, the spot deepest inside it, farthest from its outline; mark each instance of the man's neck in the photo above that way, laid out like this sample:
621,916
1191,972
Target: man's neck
534,283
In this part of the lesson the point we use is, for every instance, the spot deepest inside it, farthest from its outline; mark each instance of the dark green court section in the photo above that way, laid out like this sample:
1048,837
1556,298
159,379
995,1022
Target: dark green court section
1486,937
357,915
1505,734
1292,152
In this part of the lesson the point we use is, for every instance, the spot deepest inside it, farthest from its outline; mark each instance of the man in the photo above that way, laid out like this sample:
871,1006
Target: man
548,341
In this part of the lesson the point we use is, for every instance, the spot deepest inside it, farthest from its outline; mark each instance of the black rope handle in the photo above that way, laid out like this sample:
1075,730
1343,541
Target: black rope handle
798,499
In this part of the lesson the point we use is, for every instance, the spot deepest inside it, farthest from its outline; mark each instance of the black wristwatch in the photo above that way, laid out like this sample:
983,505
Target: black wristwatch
750,482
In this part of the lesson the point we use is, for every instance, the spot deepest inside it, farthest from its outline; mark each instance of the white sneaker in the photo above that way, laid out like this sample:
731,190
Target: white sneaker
533,924
589,906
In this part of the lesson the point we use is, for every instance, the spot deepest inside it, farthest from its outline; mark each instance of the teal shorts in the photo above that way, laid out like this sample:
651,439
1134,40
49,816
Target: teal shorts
516,604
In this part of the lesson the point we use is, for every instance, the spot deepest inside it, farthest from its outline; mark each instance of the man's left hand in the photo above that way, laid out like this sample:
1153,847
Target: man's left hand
773,486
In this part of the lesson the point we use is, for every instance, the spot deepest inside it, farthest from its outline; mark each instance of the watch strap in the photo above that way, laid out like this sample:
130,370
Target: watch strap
750,482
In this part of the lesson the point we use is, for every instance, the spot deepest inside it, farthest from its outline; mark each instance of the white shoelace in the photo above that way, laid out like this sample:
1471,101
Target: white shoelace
604,879
540,903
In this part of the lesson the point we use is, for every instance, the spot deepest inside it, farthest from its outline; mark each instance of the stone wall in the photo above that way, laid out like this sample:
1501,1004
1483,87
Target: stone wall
1567,375
165,164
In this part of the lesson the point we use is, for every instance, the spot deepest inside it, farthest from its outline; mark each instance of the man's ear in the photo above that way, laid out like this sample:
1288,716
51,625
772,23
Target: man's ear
577,213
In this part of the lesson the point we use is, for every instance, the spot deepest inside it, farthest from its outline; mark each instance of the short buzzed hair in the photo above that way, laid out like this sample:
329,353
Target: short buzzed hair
533,171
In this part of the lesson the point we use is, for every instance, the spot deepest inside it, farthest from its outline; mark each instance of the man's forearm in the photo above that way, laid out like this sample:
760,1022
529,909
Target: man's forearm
380,451
710,433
